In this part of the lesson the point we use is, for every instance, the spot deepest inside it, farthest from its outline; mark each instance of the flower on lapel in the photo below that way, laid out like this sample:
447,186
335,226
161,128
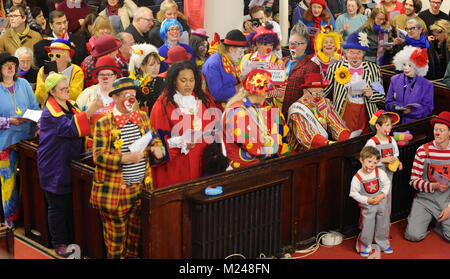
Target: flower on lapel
342,75
118,143
363,39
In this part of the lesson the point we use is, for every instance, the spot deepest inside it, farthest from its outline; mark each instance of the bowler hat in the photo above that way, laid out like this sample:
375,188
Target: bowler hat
200,32
6,56
104,45
122,84
443,118
235,38
176,54
106,63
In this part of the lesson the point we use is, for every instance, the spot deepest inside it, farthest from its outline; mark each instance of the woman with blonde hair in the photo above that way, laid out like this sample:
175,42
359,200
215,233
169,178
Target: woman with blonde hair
121,9
169,10
440,46
101,26
379,34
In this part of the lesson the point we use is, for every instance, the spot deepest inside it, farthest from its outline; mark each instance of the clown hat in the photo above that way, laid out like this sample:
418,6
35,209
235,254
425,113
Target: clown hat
415,55
443,118
176,54
235,38
327,31
313,80
122,84
62,45
357,40
139,52
258,81
106,63
395,118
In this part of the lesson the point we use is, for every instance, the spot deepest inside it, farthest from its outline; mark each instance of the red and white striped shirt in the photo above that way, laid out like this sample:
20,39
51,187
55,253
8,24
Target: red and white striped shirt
416,181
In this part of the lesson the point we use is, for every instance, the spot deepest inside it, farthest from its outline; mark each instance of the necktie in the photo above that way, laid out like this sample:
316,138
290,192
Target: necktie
121,120
359,71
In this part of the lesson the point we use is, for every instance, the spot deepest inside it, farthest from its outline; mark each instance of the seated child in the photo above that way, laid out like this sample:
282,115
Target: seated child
369,188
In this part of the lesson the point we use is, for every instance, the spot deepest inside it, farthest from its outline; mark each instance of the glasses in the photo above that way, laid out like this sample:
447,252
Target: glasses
435,3
173,29
7,65
149,19
15,16
411,28
317,93
106,75
57,55
296,44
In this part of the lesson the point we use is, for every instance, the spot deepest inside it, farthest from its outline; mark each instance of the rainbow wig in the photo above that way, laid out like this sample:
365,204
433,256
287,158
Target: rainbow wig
264,35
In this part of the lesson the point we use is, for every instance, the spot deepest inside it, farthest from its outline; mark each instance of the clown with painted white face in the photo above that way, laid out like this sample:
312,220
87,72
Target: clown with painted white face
410,94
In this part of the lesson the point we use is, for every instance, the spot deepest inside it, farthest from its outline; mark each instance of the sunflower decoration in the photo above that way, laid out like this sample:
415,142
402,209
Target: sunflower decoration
342,75
258,81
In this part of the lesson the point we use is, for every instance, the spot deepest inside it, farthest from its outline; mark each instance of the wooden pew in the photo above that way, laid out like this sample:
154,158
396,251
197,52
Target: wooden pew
441,92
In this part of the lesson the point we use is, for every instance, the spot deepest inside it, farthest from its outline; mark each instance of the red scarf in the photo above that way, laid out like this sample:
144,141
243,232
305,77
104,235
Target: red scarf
113,10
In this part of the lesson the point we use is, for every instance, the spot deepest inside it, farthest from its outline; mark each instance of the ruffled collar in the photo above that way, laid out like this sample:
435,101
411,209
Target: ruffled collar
187,104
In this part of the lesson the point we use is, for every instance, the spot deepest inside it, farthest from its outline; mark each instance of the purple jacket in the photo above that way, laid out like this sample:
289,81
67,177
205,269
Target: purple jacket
400,93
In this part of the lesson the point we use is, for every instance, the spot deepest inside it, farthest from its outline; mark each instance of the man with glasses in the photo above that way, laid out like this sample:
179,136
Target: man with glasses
59,25
412,7
143,22
19,34
433,14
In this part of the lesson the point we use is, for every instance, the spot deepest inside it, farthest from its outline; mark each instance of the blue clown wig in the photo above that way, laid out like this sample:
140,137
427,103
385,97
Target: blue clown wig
166,24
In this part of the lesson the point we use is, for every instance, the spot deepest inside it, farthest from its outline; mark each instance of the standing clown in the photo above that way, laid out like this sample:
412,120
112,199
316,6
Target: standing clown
328,48
254,132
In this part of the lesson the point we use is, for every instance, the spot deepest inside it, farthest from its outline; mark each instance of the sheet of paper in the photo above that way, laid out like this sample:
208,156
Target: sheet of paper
440,178
356,133
141,143
385,45
33,115
357,87
377,86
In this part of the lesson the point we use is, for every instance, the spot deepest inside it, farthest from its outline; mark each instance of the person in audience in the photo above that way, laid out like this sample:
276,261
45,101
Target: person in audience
143,22
41,21
170,32
264,41
410,94
16,97
299,11
182,135
428,176
102,26
317,16
254,132
144,68
298,66
337,8
58,24
393,8
124,54
433,14
106,71
60,53
350,21
121,174
312,116
379,33
328,48
199,43
439,47
122,9
353,84
86,27
62,126
76,11
446,78
258,12
29,16
412,8
26,67
19,34
370,187
168,10
221,70
104,45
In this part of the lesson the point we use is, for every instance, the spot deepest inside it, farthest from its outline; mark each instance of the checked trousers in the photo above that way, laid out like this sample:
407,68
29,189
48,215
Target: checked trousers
122,227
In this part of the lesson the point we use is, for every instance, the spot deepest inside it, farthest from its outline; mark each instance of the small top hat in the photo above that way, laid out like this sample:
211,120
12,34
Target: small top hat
176,54
443,118
105,44
313,80
122,84
235,38
106,63
357,40
6,56
62,45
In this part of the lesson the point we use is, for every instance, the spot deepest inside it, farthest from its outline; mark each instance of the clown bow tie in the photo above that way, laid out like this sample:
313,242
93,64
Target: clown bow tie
359,71
121,120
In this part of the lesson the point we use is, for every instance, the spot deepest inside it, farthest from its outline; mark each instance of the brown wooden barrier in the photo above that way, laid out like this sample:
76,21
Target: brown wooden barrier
441,92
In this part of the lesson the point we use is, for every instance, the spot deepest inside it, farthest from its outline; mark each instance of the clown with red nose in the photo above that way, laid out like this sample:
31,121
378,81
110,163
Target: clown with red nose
313,119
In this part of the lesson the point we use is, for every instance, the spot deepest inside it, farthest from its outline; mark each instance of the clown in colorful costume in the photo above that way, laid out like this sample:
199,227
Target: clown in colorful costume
254,133
312,116
328,48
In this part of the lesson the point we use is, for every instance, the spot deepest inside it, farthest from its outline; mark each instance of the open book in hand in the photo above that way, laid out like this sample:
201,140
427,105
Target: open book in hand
32,115
141,143
440,178
386,45
408,106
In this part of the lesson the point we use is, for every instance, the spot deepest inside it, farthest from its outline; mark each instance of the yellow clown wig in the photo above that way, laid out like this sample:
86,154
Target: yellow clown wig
327,31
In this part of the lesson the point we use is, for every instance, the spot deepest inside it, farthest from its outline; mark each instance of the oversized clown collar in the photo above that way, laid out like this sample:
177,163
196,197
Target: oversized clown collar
122,119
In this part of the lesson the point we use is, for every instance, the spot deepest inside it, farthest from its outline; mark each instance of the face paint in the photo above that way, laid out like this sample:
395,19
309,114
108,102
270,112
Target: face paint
317,99
128,102
10,68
